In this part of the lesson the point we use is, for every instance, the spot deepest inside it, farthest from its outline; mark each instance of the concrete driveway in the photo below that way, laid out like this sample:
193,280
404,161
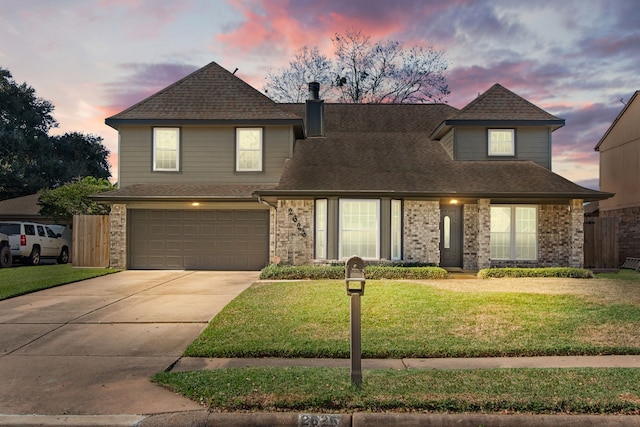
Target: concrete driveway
89,348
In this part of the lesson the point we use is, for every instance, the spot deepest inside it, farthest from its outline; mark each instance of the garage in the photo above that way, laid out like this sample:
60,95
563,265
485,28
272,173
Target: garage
198,239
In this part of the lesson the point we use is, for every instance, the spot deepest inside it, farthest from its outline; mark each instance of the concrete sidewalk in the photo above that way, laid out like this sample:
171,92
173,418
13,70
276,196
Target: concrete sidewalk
193,363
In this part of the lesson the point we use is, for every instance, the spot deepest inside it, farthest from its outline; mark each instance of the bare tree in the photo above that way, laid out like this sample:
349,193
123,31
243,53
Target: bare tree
291,84
364,72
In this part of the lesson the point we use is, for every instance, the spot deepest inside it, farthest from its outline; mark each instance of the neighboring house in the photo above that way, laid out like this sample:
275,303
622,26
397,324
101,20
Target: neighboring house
620,174
214,175
23,208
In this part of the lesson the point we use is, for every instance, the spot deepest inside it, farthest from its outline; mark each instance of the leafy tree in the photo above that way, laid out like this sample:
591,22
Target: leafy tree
78,155
73,199
25,148
364,71
30,159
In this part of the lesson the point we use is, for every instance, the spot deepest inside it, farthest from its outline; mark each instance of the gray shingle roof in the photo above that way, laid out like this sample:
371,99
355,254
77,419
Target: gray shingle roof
499,103
210,93
385,149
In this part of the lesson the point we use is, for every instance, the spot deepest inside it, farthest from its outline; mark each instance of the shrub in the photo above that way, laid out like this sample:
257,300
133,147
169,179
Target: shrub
562,272
336,272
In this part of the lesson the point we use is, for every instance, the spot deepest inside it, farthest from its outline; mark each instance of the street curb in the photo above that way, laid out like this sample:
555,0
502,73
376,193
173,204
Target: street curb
265,419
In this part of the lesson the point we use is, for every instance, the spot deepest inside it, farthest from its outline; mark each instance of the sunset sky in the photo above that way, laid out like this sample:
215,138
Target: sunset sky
577,59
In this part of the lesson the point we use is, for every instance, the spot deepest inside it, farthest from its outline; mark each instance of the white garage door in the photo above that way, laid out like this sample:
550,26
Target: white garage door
198,240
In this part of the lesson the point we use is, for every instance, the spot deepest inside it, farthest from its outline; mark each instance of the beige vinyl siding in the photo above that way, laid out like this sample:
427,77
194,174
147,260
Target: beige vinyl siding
620,160
532,143
207,154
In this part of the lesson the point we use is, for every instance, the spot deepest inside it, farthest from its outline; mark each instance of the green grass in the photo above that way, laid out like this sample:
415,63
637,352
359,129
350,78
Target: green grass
598,391
622,274
403,319
17,281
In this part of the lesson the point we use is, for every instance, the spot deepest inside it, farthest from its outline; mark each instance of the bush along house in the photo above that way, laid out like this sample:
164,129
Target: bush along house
214,175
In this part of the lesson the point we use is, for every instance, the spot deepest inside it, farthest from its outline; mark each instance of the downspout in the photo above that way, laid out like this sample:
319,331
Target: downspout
275,224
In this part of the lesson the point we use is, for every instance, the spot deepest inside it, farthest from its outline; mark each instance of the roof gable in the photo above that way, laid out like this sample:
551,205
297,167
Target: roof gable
210,93
499,103
621,117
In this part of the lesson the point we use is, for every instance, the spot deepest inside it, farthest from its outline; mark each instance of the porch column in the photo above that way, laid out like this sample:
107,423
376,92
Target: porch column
484,233
118,236
576,233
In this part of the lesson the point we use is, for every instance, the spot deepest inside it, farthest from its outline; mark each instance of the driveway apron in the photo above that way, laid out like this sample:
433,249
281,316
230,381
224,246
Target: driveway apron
89,348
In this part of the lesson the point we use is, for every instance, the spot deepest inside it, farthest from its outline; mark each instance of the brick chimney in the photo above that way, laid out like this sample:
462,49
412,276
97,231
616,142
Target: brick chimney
314,120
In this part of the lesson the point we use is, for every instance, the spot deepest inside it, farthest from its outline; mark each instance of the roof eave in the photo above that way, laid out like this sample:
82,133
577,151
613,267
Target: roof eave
296,123
591,196
116,199
446,125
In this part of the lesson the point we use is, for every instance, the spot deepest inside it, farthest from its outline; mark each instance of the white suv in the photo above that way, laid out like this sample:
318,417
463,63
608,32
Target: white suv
33,242
5,251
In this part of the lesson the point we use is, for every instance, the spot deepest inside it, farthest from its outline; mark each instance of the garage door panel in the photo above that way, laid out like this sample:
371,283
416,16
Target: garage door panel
208,240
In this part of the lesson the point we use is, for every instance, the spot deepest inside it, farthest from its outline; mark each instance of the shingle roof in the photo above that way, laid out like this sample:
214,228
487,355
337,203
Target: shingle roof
499,103
385,149
183,191
210,93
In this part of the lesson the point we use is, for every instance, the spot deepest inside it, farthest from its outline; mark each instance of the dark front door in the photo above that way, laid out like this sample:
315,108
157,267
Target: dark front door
450,236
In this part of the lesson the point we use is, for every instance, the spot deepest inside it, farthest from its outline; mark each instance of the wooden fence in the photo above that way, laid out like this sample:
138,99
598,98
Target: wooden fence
601,243
90,246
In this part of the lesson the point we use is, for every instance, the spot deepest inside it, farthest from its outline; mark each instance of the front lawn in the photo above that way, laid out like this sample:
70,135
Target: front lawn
23,280
577,391
441,318
447,318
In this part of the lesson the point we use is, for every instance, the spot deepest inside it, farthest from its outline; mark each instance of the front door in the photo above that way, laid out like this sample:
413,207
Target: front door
450,236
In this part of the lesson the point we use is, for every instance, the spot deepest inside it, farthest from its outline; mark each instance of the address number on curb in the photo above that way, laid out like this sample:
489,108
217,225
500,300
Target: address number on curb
311,420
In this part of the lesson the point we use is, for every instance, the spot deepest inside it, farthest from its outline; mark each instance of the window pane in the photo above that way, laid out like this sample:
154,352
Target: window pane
396,229
501,142
249,149
447,232
321,229
514,232
526,232
359,228
166,145
500,246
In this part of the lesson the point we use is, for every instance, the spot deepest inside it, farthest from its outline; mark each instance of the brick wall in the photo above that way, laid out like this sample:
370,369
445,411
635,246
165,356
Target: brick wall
628,231
422,231
295,232
470,237
484,233
118,236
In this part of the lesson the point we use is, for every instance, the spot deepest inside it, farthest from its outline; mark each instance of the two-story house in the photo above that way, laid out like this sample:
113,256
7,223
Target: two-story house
214,175
619,151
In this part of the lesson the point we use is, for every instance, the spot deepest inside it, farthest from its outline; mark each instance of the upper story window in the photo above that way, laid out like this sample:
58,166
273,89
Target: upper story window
249,150
166,149
501,142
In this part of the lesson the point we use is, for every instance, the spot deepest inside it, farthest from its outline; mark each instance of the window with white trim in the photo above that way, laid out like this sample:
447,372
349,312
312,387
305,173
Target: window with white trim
359,228
321,229
514,232
166,149
501,142
396,229
249,149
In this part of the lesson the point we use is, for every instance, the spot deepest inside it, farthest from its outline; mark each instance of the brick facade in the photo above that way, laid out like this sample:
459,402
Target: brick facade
118,236
470,214
628,231
295,231
421,231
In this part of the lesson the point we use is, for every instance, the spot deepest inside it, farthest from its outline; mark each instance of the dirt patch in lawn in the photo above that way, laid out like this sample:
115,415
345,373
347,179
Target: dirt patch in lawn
598,290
